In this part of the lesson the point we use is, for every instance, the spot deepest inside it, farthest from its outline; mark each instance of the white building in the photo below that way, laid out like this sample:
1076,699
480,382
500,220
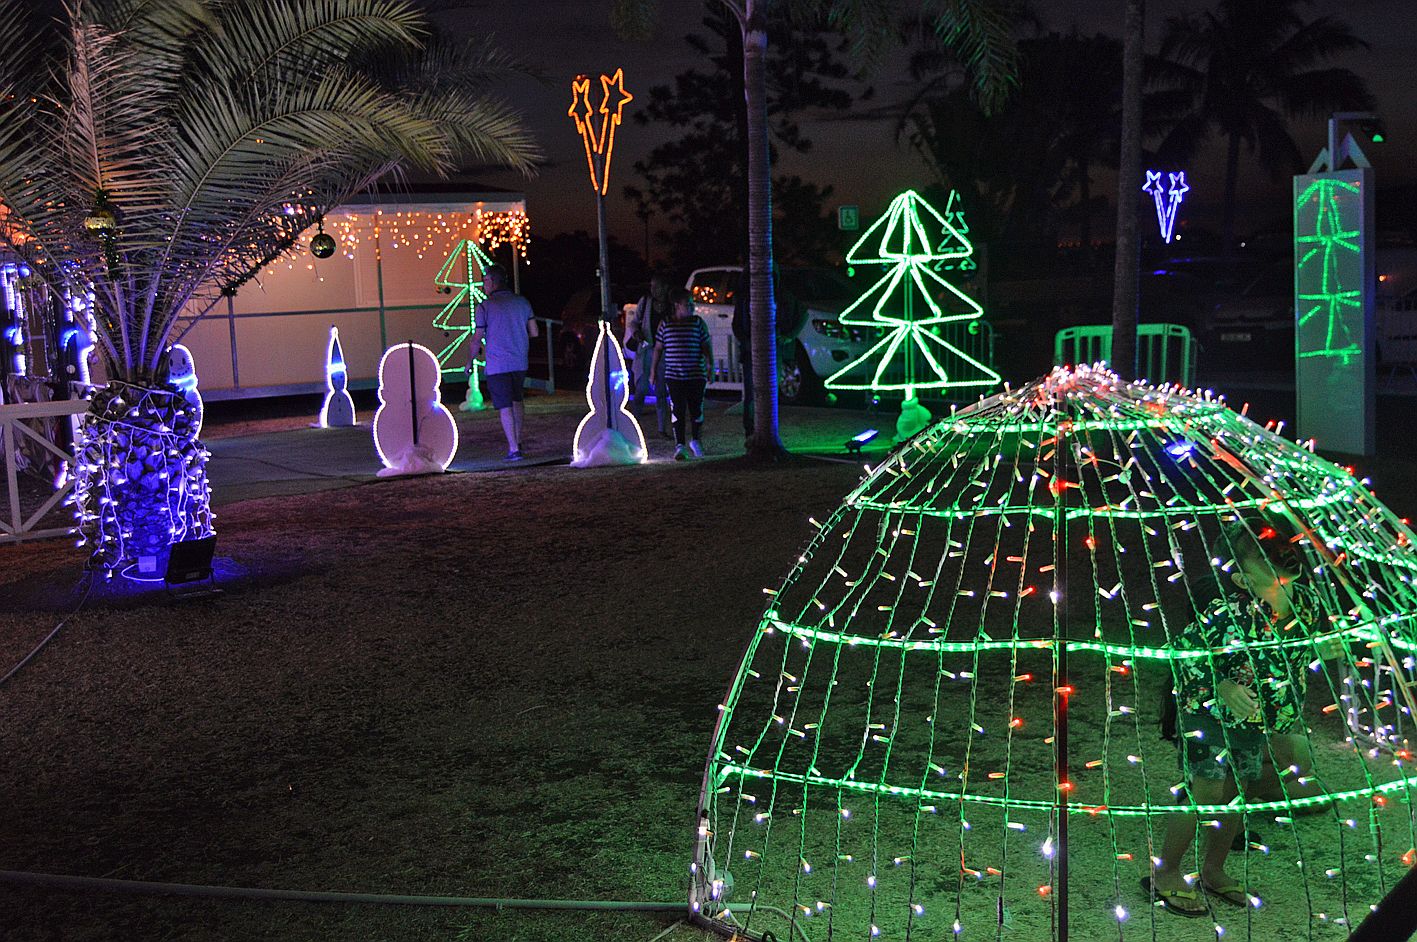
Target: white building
377,288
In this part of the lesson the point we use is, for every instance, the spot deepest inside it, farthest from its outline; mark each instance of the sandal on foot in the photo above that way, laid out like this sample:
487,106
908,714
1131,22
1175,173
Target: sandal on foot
1232,893
1173,899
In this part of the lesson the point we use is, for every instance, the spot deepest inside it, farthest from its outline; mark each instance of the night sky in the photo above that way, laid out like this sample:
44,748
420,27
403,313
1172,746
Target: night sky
860,158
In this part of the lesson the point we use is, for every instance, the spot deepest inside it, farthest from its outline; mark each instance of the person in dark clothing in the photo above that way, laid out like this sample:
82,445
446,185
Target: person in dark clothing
653,310
682,349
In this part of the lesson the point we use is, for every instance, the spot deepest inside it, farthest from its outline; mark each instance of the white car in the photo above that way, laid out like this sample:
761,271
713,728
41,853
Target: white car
812,343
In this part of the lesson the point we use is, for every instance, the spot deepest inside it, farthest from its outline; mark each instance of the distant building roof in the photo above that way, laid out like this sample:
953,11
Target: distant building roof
438,196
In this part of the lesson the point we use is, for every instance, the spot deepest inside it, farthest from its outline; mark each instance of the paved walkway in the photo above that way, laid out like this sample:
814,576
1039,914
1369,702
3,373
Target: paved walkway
298,459
302,460
305,460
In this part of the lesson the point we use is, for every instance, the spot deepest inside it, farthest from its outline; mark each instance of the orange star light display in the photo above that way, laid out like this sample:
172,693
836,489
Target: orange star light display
599,141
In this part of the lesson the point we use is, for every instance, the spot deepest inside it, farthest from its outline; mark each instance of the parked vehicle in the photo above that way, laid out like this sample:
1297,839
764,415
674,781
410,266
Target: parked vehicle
580,319
812,343
1254,329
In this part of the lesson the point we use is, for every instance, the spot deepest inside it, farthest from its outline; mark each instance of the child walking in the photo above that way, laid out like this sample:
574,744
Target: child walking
1241,703
682,350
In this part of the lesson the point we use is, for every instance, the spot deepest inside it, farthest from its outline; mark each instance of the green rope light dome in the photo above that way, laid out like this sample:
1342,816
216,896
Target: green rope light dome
948,723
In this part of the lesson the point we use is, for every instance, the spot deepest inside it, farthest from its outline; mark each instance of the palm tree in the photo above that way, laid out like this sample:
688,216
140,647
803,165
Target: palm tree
1037,154
978,31
1245,69
1126,289
159,152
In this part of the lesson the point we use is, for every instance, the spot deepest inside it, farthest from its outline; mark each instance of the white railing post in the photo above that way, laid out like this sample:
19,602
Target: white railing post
12,431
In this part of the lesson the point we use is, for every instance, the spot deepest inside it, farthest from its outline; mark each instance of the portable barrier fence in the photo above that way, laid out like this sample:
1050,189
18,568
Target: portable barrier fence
30,449
1166,352
975,338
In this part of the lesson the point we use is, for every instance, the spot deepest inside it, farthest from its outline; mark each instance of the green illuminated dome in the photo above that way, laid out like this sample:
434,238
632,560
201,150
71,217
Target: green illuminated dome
948,723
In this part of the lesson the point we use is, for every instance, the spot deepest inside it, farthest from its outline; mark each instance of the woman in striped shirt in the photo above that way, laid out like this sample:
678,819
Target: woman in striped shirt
682,348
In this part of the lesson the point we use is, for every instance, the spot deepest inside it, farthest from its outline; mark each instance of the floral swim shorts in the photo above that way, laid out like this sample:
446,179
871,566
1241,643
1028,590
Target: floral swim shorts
1211,751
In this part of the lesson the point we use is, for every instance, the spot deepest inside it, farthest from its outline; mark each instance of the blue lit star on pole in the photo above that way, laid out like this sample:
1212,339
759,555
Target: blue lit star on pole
1168,198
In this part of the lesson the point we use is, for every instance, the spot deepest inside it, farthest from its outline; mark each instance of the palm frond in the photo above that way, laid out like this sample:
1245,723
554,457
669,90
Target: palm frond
441,63
481,129
982,34
1313,43
216,131
309,38
1320,92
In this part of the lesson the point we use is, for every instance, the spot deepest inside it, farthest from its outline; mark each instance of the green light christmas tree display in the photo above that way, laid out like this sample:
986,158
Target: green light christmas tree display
947,723
1330,270
913,300
462,271
954,218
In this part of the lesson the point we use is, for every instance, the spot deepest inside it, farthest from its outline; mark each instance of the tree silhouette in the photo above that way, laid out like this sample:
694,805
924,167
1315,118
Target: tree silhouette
1038,152
980,32
689,180
1244,70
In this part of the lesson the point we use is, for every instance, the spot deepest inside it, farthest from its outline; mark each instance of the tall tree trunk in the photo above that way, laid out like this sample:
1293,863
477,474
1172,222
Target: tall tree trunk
740,127
1085,203
1232,176
764,444
1125,286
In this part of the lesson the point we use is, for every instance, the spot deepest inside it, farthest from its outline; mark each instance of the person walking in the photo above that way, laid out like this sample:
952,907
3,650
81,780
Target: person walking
1241,702
505,323
653,310
682,349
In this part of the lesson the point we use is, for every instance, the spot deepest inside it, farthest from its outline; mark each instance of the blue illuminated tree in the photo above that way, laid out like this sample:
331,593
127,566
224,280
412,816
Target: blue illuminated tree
159,155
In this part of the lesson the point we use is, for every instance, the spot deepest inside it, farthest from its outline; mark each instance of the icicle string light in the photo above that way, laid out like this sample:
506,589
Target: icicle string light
424,232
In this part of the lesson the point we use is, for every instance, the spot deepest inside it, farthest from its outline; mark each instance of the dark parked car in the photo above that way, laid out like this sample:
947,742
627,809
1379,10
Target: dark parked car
580,319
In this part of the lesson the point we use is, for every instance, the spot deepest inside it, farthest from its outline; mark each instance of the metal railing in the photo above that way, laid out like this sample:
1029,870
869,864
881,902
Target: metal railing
975,338
15,432
423,331
1166,352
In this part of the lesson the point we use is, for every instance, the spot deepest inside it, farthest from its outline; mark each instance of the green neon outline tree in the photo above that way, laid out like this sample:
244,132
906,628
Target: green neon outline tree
954,217
888,760
904,241
1331,246
462,271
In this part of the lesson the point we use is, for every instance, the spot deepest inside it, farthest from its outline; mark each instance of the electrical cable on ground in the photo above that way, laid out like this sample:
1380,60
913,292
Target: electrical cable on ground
666,932
148,887
87,579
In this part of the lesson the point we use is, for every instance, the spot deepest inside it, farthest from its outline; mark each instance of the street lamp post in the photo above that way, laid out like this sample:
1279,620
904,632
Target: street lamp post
608,434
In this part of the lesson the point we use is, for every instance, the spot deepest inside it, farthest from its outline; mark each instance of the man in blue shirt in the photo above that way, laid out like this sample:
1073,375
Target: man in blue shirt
505,322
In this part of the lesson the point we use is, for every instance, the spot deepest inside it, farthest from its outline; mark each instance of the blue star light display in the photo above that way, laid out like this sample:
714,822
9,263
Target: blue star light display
1168,198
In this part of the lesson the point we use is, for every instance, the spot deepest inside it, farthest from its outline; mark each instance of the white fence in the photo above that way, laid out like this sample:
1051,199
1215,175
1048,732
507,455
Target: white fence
15,434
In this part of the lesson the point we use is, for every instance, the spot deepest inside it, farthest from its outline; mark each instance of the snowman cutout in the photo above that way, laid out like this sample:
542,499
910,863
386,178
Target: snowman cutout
182,373
338,408
414,433
608,434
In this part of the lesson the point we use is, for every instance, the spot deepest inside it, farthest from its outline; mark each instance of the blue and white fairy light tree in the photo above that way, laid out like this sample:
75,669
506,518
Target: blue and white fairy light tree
216,134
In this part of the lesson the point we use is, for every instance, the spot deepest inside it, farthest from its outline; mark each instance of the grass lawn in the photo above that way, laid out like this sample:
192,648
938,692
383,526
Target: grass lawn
499,684
480,685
